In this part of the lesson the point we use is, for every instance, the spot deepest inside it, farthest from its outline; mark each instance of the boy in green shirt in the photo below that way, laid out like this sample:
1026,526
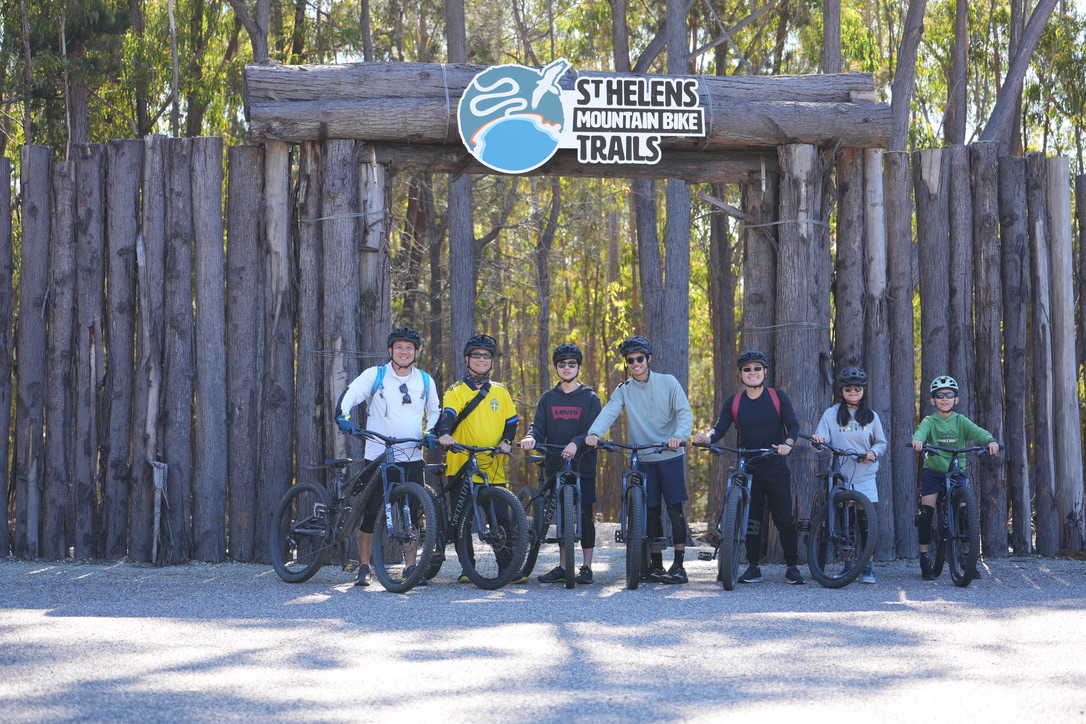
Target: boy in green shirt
945,428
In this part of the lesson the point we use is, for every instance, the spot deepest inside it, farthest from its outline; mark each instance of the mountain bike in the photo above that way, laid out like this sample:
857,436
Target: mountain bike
557,499
633,516
841,534
488,525
310,520
731,533
956,523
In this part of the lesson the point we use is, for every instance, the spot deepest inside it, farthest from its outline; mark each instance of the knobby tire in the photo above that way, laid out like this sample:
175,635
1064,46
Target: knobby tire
492,556
635,535
567,536
412,527
837,561
302,532
537,531
963,549
732,536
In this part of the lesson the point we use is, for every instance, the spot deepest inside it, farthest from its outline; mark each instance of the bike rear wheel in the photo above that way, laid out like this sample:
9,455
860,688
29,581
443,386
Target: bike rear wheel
635,535
441,523
732,537
492,549
533,512
567,536
301,532
963,540
409,533
837,558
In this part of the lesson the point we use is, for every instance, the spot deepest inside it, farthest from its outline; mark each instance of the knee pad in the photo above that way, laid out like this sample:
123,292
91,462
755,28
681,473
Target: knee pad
678,522
754,528
923,523
369,522
655,527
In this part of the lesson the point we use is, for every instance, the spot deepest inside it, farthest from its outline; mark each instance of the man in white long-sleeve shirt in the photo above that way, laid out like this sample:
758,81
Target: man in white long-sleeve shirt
656,411
397,395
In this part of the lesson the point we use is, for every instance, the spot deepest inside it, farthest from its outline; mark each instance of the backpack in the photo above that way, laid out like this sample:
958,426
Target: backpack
772,395
378,383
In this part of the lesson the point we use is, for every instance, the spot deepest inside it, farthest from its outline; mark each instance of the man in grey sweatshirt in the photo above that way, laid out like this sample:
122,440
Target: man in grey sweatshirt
657,411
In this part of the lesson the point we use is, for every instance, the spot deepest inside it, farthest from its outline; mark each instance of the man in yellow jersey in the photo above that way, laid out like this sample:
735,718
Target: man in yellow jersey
479,412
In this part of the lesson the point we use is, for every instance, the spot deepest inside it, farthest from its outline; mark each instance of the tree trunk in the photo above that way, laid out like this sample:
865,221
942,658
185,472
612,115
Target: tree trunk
904,81
375,310
831,36
849,333
210,460
958,78
960,272
931,172
722,315
759,239
1064,368
7,299
463,262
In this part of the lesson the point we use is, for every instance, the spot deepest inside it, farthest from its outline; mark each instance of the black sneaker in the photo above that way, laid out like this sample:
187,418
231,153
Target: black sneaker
407,573
793,576
584,576
653,575
927,571
675,574
362,578
557,575
753,574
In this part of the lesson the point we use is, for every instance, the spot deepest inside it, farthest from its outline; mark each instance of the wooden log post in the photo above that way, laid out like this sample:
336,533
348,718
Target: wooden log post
987,279
759,239
931,171
143,526
374,270
276,461
960,322
311,418
1014,240
29,454
244,345
210,461
722,313
1080,212
877,347
1067,418
57,490
7,299
801,361
1040,440
901,332
89,348
178,350
463,272
849,332
124,160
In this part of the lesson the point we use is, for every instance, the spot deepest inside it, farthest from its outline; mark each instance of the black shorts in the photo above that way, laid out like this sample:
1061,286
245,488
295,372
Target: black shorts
665,479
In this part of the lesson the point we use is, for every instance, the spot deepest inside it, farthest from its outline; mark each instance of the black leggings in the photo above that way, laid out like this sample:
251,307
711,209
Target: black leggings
588,527
413,471
772,485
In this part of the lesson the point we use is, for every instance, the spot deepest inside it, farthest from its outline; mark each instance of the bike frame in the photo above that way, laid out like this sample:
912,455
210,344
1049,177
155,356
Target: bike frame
835,482
550,488
737,478
955,476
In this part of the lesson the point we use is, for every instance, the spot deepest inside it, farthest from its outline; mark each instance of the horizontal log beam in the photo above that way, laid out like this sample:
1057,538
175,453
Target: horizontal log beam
691,166
416,103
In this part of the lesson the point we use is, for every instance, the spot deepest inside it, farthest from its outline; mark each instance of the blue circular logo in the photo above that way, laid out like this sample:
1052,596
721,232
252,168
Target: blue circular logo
511,117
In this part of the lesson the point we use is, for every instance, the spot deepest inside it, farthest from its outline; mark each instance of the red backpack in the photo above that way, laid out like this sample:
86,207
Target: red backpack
772,395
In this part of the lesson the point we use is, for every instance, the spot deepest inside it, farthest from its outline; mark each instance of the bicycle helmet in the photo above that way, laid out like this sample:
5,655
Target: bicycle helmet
481,341
852,376
751,355
567,351
404,334
636,343
944,383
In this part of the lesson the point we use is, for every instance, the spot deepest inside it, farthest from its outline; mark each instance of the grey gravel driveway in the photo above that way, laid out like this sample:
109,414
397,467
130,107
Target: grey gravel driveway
86,642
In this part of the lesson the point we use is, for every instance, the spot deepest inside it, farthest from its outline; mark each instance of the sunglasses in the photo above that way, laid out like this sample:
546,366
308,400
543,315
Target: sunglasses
635,360
406,397
758,368
567,365
481,355
944,395
852,388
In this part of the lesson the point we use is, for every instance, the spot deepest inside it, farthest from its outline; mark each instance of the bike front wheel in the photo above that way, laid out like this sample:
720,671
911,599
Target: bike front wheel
404,537
635,535
567,536
492,549
733,531
839,550
301,532
533,512
963,539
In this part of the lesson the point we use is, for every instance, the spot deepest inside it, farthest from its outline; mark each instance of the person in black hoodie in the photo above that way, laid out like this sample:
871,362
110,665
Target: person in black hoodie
562,417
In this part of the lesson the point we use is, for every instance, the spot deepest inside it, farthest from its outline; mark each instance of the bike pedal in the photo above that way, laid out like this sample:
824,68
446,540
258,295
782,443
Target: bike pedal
803,525
619,538
550,540
705,556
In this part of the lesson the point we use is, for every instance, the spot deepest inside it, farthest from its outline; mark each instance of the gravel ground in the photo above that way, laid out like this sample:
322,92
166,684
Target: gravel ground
82,642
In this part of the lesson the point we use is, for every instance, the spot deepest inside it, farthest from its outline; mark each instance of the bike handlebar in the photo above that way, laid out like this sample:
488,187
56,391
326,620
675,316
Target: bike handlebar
612,446
476,449
388,441
933,449
858,457
718,449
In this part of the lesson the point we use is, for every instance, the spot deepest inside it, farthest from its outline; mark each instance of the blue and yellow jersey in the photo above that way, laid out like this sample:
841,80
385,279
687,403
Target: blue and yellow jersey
482,427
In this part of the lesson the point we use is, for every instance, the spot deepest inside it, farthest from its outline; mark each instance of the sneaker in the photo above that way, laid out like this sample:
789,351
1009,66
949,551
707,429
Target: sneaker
675,574
927,571
519,578
556,575
584,576
793,576
868,575
653,575
362,578
409,571
753,574
463,577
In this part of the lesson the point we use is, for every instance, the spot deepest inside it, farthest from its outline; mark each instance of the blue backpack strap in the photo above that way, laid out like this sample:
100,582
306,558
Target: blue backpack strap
378,381
425,387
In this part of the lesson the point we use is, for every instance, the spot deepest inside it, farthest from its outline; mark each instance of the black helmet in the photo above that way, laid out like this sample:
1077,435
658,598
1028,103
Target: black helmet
944,383
405,334
636,343
852,376
567,350
481,341
751,355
